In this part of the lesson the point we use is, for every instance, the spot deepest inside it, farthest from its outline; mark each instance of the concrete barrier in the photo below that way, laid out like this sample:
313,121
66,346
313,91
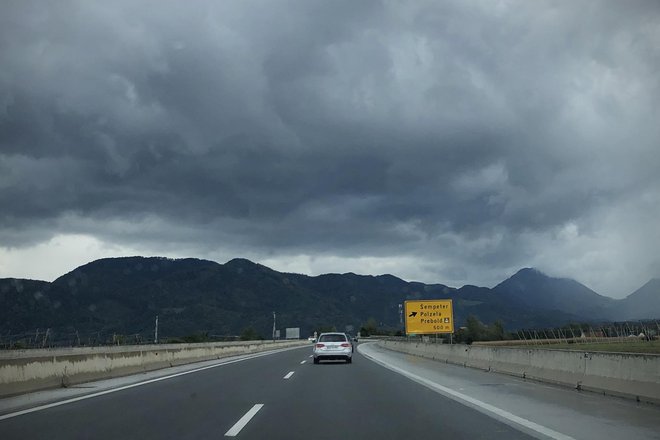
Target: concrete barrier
23,371
634,376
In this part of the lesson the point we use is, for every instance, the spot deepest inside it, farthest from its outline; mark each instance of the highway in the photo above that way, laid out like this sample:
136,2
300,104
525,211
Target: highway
283,395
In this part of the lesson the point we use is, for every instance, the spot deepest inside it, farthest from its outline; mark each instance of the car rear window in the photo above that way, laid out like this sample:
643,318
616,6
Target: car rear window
332,338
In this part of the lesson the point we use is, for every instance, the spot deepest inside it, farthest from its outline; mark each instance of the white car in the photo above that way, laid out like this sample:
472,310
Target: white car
332,346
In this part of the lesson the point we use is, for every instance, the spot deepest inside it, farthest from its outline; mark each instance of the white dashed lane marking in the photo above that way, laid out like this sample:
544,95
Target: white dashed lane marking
234,430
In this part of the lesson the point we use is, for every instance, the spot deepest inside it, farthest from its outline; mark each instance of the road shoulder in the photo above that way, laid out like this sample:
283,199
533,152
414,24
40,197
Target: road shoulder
562,412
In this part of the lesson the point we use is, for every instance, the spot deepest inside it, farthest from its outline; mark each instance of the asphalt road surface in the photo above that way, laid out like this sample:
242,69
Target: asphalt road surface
285,396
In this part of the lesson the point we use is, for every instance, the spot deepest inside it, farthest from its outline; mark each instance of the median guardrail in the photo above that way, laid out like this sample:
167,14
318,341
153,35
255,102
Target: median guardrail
23,371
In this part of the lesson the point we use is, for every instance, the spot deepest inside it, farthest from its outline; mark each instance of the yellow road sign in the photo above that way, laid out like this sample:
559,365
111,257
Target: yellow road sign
429,316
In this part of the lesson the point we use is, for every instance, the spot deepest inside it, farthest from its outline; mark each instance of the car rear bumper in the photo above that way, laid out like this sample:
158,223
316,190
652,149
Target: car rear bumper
329,357
334,354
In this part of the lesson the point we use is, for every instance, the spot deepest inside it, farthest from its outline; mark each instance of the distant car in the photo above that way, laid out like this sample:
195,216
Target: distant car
353,340
333,346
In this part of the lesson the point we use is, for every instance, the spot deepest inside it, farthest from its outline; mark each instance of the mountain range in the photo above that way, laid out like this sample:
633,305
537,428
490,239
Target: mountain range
123,295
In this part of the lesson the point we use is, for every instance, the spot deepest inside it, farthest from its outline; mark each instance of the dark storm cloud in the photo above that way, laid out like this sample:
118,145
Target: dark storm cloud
467,133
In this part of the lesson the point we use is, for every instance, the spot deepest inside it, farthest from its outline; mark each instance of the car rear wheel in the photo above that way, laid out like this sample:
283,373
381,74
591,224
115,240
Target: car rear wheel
349,360
316,360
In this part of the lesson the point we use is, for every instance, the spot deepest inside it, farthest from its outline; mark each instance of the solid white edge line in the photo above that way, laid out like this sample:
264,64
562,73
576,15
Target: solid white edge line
234,430
483,407
125,387
289,374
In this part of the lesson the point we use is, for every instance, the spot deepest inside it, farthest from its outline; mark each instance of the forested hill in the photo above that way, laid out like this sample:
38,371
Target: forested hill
190,296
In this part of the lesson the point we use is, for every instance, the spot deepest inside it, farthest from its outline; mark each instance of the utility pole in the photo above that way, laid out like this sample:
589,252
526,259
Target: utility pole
274,320
43,344
156,331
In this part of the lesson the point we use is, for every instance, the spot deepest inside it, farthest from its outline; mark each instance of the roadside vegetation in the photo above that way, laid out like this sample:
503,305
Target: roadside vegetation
474,330
624,337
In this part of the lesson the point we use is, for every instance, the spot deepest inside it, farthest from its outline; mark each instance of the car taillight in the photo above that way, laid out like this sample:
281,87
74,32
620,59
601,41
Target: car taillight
320,345
345,344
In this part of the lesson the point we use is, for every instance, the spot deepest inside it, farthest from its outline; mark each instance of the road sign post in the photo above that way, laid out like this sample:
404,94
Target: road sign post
423,317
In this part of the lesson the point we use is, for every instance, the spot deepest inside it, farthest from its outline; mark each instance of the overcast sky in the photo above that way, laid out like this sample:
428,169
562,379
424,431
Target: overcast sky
443,141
